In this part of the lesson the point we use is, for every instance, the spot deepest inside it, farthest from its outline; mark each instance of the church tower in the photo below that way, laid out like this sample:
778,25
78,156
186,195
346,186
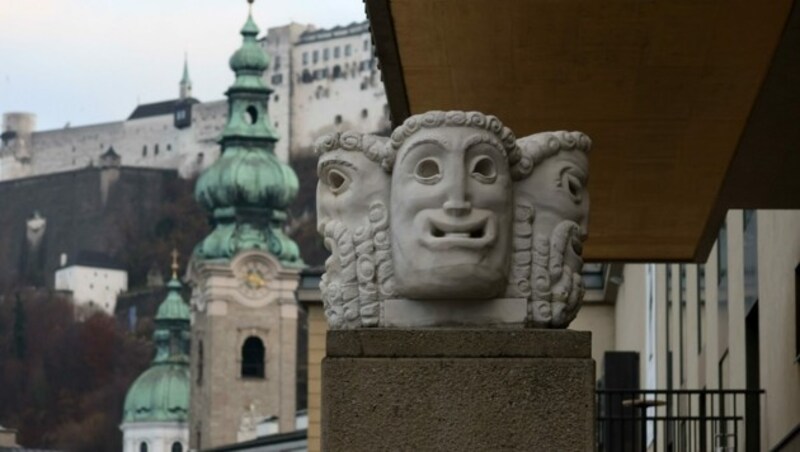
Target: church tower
157,404
245,272
186,82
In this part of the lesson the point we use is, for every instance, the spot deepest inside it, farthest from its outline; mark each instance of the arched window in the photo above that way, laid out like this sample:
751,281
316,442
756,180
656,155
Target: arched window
144,151
177,447
253,358
143,447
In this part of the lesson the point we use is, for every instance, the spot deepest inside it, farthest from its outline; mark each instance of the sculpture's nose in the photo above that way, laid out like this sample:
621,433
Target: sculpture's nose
457,208
457,203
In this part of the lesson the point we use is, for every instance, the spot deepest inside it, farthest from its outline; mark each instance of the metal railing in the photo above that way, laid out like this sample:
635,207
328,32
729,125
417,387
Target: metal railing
677,420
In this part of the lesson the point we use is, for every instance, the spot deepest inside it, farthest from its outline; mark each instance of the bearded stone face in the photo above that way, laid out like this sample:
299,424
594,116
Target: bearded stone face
451,209
349,183
557,190
352,200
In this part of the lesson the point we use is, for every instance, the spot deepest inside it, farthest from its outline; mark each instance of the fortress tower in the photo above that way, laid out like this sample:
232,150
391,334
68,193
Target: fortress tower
15,145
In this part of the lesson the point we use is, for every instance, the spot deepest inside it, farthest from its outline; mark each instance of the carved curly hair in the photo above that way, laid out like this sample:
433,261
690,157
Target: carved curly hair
371,145
433,119
540,146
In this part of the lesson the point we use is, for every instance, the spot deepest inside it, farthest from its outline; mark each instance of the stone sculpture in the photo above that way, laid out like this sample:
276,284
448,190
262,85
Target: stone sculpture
353,218
552,210
452,221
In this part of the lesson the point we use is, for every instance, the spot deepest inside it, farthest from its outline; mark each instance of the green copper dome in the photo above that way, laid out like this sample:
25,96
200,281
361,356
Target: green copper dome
244,177
161,393
249,57
248,189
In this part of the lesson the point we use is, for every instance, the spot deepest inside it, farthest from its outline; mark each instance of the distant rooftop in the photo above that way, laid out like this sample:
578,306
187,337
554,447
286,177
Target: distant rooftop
96,259
338,31
166,107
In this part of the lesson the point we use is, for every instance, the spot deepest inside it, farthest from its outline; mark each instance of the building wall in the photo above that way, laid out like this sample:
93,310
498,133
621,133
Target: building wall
78,216
598,318
159,436
336,93
778,255
92,286
226,407
317,328
714,355
152,142
279,44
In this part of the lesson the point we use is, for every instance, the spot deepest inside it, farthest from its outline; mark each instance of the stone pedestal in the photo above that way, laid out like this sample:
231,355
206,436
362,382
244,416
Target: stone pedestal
458,389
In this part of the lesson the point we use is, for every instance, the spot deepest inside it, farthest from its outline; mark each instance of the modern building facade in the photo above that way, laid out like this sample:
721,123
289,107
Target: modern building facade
730,323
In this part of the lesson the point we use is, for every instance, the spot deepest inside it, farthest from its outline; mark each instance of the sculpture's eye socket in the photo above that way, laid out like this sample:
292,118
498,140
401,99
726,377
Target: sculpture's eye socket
484,170
427,171
336,180
573,185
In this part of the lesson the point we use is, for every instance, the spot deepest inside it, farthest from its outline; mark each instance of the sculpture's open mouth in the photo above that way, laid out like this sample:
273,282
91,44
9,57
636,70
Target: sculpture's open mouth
476,230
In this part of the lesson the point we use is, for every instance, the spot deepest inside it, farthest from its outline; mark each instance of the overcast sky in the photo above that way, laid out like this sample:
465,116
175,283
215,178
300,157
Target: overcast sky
91,61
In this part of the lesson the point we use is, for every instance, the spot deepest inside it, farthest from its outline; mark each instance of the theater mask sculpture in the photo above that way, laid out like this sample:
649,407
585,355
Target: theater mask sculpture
353,218
451,207
551,220
453,211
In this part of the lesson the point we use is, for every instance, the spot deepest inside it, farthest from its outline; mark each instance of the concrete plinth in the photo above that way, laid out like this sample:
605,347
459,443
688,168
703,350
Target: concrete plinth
459,390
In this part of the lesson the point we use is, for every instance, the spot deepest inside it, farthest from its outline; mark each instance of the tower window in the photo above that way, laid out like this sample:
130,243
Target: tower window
253,358
199,362
251,115
143,447
364,113
177,447
169,147
144,151
155,150
337,119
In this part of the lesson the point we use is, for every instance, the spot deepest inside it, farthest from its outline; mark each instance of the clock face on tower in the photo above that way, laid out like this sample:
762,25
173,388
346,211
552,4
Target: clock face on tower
253,279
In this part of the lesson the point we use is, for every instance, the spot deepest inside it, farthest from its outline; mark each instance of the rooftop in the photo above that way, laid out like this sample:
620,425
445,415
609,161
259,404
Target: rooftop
338,31
159,108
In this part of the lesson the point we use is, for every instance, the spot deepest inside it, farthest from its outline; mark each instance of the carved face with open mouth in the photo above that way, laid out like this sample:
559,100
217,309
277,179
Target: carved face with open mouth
450,214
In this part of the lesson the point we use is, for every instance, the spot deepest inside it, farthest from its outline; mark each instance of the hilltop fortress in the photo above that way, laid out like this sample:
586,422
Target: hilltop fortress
323,80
